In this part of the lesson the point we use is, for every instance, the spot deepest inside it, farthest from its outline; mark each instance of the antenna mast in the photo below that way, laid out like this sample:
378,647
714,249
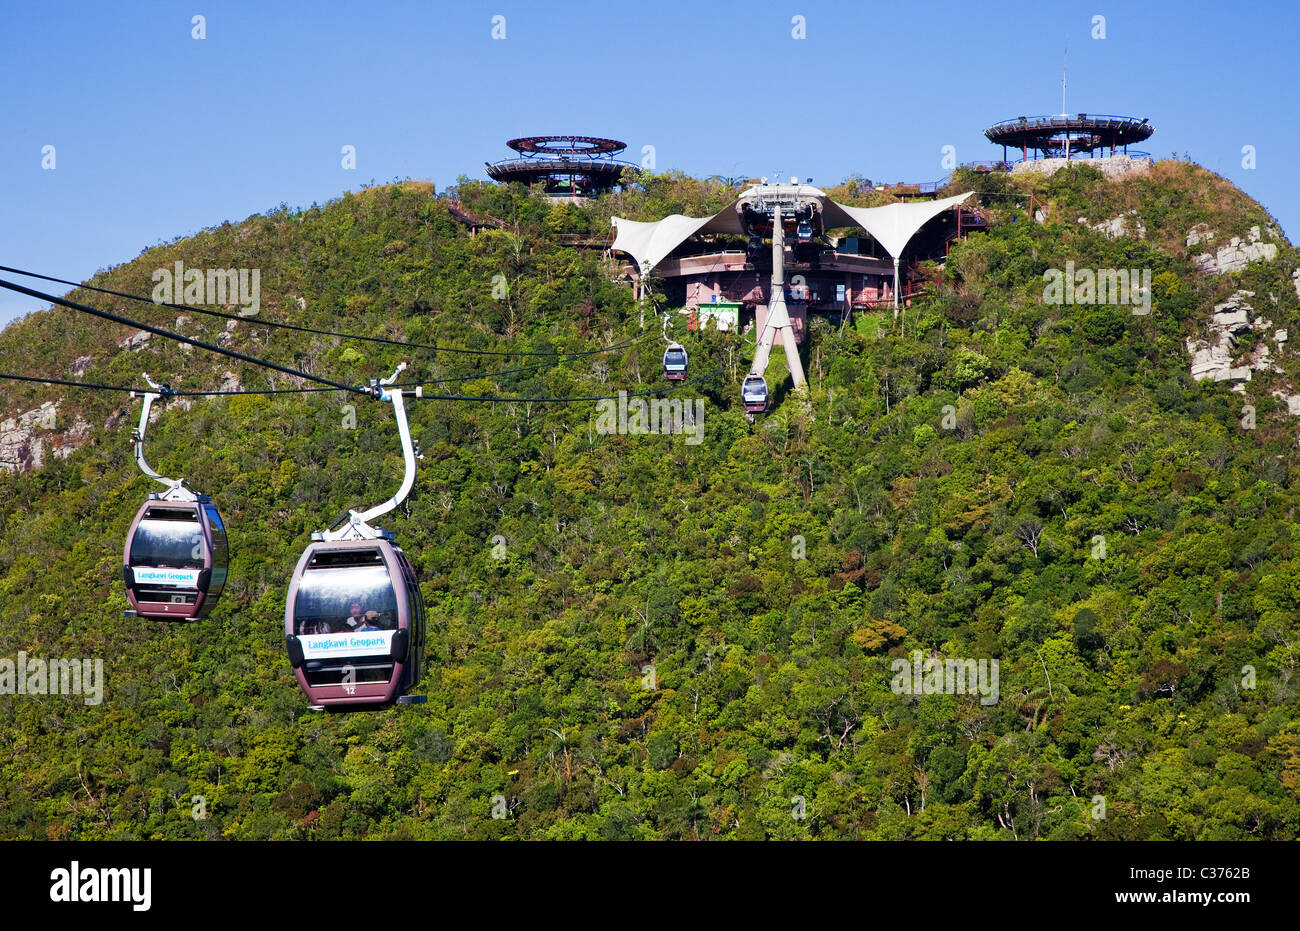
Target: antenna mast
1065,60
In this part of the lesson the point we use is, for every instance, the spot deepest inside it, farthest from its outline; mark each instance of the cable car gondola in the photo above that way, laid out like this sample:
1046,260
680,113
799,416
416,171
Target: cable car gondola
675,362
357,618
175,560
354,616
753,394
804,231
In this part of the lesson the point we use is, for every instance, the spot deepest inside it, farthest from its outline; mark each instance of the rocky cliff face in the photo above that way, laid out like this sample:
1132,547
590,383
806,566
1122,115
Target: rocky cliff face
26,439
1234,319
1235,255
1215,356
1126,224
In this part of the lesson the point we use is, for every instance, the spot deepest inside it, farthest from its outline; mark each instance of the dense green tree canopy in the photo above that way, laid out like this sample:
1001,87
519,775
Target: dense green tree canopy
683,640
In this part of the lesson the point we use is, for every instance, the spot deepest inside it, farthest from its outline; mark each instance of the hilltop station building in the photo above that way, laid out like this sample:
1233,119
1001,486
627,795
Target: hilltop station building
718,269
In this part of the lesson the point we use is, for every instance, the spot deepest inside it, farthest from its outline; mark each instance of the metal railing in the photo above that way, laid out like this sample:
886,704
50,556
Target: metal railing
1078,157
1059,120
576,165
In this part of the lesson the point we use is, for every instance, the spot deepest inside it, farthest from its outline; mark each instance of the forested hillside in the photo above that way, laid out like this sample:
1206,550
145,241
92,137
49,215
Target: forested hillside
991,476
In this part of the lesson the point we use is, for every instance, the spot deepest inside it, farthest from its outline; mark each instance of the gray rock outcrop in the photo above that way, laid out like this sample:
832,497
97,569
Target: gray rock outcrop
1212,357
22,447
1236,255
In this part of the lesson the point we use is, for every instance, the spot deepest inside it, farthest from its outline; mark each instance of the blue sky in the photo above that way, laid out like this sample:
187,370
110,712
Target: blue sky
158,134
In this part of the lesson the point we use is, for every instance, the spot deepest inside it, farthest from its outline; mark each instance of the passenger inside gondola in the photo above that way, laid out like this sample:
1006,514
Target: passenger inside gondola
360,619
346,598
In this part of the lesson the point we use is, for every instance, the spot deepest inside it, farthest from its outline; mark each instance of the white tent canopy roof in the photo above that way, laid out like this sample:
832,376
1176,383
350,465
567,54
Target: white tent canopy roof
649,243
892,226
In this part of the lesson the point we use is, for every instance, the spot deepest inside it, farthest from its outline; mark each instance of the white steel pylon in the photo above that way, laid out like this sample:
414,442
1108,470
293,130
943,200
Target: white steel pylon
778,317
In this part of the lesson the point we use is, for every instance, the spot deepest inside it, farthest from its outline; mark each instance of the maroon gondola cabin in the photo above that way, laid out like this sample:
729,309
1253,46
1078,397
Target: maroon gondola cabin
354,624
175,559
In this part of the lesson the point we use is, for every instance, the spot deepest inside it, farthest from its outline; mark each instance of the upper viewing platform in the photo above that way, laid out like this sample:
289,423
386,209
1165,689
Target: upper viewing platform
563,166
1064,134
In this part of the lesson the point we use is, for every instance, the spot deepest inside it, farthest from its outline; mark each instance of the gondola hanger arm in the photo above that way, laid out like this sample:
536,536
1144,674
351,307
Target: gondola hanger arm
176,490
358,522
